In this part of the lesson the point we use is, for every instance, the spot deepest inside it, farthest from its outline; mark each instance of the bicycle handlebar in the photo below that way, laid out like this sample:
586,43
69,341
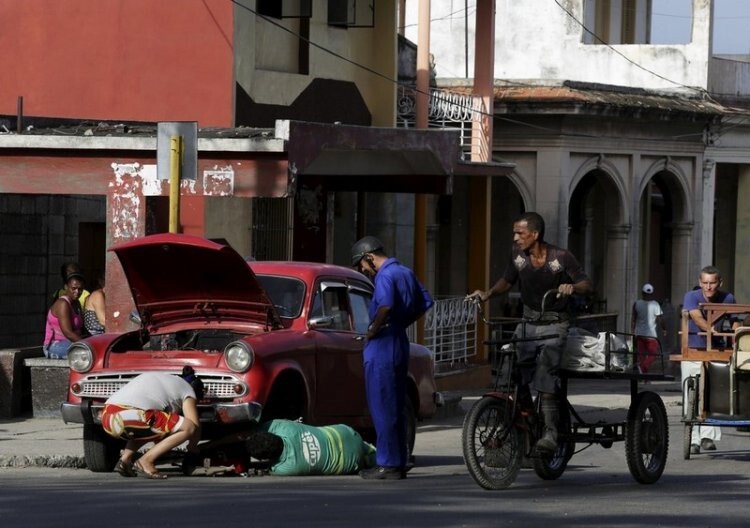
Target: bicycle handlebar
476,300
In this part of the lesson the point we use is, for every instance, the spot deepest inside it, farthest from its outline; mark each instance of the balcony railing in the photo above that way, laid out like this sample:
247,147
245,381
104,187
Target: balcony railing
446,109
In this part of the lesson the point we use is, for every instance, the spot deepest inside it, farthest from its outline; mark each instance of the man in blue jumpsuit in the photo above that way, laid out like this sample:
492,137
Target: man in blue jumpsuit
398,301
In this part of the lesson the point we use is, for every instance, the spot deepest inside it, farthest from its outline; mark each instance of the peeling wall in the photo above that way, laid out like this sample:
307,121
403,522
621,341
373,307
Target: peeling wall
536,39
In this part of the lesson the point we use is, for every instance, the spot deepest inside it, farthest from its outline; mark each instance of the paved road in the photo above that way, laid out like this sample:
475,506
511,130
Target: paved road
596,490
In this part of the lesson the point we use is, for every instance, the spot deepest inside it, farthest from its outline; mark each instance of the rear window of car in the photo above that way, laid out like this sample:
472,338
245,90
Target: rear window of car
286,293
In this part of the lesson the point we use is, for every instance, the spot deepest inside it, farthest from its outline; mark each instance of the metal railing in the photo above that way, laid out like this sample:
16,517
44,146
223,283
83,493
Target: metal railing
446,109
450,332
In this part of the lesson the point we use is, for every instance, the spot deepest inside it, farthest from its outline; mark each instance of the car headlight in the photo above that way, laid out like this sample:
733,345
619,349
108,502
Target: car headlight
239,356
80,357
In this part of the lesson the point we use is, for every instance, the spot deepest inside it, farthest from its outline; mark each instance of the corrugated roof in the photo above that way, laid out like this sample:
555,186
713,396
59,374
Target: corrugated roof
597,95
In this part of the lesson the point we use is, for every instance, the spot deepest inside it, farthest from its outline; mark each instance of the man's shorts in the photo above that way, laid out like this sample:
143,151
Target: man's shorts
136,424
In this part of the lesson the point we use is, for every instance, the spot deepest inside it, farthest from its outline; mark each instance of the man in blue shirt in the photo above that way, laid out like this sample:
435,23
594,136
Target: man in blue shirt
398,301
709,283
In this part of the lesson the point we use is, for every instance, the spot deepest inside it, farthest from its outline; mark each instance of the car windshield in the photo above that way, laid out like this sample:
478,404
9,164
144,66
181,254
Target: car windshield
286,293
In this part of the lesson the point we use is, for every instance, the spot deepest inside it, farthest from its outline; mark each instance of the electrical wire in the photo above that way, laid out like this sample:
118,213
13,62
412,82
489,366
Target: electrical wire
465,107
618,52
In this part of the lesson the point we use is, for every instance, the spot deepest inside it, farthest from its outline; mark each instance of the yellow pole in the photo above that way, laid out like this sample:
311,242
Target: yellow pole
175,165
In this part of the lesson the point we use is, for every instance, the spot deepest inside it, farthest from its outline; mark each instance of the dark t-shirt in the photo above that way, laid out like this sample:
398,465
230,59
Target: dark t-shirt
561,267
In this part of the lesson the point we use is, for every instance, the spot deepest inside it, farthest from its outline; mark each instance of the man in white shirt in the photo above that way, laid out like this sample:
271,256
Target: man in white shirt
154,407
647,323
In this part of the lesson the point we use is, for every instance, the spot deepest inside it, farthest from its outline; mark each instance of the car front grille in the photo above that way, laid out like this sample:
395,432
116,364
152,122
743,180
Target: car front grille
102,386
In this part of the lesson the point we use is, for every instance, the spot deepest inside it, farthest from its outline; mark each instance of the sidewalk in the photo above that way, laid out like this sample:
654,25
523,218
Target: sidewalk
48,442
41,442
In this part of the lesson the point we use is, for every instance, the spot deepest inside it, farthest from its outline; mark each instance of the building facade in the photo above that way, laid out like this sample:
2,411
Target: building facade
297,154
636,153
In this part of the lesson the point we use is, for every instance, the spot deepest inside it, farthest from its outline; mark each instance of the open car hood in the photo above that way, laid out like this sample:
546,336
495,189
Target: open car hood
184,279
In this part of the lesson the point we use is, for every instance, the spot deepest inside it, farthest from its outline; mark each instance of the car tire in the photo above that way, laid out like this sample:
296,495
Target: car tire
100,450
286,400
410,421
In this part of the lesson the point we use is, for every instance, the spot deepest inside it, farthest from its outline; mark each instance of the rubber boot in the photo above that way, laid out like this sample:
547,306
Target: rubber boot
548,443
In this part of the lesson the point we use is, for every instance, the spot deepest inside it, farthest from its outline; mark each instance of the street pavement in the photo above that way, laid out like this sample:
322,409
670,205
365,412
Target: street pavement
49,442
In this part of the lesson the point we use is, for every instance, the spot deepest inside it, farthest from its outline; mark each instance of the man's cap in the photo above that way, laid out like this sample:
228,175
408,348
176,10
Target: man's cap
364,245
647,288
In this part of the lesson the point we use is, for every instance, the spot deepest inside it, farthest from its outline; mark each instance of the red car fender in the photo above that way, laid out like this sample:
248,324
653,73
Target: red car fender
262,379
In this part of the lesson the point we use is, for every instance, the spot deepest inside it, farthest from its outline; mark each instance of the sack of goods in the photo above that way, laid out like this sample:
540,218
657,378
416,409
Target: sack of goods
586,351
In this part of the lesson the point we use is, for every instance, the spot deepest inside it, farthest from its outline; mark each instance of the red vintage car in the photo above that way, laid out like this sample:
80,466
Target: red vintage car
269,340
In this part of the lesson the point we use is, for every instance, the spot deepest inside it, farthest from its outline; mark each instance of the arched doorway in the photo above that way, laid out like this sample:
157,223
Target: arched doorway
507,205
597,237
655,237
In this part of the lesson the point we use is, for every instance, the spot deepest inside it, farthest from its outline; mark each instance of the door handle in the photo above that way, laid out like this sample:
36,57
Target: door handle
359,337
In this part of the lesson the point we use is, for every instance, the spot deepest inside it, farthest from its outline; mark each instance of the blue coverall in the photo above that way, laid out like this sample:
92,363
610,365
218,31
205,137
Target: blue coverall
386,357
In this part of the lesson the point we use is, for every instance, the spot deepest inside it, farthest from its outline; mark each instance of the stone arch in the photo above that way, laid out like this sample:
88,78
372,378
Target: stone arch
614,180
677,183
664,218
598,230
523,190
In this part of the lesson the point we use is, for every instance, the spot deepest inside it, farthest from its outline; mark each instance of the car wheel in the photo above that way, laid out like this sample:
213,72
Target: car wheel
286,401
410,421
100,450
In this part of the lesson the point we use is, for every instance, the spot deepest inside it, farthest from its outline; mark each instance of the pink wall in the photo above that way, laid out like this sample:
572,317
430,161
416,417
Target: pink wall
145,60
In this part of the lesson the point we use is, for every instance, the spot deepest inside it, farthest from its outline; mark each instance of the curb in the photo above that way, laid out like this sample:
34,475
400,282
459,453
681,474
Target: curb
451,405
49,461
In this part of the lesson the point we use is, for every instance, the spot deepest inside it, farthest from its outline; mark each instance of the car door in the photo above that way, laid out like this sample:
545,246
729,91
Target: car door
339,386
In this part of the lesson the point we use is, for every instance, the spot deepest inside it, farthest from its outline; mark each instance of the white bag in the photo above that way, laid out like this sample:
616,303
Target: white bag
585,351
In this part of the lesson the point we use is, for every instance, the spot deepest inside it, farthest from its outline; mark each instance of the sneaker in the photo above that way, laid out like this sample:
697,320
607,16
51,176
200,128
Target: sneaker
695,449
708,445
383,473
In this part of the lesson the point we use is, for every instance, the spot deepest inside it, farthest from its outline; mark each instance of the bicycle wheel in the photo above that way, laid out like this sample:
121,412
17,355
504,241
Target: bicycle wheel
551,467
647,438
492,446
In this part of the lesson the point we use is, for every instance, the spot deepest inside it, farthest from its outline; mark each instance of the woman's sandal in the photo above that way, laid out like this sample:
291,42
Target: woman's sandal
125,469
155,475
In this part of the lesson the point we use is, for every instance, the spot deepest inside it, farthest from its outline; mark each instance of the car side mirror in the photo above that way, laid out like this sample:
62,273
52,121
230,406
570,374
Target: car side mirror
322,321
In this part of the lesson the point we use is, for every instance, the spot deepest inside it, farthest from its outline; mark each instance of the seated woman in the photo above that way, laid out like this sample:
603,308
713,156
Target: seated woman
93,310
66,270
64,320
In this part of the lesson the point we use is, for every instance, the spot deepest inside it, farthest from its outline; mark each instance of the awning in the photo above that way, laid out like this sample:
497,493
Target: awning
369,159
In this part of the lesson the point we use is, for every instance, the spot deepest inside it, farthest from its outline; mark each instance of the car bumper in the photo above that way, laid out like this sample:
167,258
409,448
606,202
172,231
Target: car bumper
88,412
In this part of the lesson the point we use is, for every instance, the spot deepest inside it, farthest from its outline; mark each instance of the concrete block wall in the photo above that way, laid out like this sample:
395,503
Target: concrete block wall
49,385
38,233
15,380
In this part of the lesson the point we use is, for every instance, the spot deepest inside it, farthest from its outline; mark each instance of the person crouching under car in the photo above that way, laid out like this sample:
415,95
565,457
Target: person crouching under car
154,407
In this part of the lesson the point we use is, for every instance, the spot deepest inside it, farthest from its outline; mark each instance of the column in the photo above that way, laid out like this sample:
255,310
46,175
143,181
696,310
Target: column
684,274
707,212
742,245
617,286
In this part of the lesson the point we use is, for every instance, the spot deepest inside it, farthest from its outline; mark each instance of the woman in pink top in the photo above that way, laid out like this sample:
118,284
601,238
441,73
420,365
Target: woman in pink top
64,320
